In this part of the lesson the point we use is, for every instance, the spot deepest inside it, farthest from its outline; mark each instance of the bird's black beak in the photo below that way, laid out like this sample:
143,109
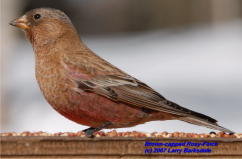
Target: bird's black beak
21,22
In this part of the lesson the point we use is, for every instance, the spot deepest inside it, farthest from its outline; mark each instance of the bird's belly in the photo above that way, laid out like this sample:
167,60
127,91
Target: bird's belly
89,108
94,110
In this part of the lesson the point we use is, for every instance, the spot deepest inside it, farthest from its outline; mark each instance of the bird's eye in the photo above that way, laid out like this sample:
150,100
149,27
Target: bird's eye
37,16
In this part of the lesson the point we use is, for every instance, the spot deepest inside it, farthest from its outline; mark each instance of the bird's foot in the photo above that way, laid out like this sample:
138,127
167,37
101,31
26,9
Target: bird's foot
90,131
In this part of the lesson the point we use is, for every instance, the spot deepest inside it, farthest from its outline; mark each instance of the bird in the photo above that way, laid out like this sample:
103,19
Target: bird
86,88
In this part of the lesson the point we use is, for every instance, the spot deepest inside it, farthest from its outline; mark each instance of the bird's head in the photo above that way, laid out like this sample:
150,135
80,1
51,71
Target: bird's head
43,25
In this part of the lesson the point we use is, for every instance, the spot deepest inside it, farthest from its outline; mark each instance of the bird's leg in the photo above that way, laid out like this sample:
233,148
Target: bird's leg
90,131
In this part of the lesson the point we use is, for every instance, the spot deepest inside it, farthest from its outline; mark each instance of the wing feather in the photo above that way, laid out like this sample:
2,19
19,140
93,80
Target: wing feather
131,91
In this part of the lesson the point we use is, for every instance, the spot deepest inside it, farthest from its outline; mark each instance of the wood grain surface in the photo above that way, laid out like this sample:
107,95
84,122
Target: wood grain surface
110,147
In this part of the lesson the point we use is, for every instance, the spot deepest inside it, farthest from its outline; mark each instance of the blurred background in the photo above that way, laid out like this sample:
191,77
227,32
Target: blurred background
188,50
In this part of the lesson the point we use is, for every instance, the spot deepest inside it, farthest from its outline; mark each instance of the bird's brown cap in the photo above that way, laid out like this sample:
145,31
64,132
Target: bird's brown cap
36,16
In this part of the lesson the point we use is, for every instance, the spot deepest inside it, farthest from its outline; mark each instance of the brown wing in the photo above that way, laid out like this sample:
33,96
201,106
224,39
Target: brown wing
132,91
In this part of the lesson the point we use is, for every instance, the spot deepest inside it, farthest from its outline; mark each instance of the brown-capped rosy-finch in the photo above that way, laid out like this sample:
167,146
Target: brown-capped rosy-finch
85,88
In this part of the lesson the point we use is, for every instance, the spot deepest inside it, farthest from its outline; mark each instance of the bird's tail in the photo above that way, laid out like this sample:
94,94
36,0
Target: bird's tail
198,118
204,122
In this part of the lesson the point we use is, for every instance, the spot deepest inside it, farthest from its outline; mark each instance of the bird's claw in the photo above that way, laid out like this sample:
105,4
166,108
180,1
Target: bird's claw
90,131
